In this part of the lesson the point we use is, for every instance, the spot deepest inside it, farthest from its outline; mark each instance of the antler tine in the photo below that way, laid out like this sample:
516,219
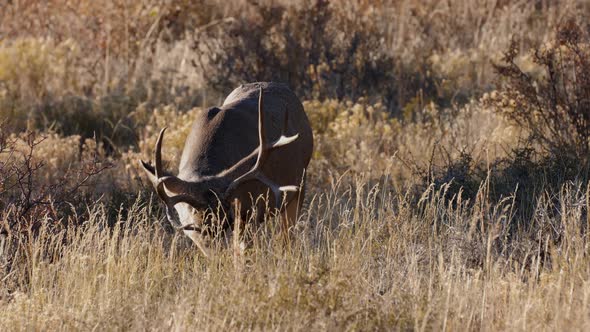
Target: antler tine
264,148
159,183
284,139
261,132
276,189
158,154
160,179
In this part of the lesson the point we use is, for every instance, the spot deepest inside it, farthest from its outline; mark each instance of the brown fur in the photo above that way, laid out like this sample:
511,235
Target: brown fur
222,146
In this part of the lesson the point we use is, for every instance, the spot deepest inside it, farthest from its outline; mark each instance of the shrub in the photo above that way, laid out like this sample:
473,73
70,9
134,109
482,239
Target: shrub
42,175
554,106
318,50
32,72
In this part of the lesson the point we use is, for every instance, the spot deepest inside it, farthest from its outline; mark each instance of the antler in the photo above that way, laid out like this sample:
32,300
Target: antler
162,179
263,152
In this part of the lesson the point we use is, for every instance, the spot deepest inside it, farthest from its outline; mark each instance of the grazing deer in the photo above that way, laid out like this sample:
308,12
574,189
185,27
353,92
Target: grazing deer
259,139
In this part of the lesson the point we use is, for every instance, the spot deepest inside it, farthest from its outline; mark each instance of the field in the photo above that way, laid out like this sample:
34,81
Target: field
448,188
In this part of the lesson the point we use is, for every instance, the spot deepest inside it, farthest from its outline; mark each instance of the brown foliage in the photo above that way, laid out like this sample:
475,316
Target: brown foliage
25,198
554,106
318,50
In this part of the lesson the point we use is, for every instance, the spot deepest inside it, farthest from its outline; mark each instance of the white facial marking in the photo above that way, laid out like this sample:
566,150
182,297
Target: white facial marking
186,214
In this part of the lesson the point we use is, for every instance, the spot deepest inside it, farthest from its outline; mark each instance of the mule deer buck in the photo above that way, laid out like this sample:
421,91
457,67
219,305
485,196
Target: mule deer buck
258,140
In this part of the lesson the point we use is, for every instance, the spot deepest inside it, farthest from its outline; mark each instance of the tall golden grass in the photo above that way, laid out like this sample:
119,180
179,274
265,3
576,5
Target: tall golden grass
423,215
362,259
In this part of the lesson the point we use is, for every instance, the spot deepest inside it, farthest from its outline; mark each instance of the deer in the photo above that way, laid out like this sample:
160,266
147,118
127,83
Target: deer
239,159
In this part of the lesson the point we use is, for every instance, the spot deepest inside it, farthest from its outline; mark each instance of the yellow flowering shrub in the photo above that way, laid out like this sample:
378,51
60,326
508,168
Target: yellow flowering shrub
364,138
349,136
32,69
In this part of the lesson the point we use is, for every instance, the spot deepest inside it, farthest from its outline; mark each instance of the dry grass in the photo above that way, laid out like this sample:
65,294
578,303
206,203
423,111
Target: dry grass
426,213
362,259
